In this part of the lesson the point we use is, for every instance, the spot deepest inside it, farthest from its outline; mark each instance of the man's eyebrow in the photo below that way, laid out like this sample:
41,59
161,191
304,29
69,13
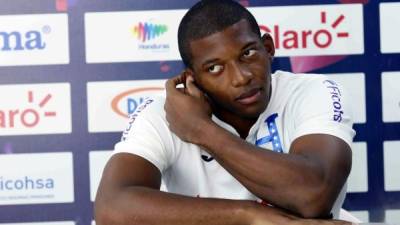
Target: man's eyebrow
249,44
209,61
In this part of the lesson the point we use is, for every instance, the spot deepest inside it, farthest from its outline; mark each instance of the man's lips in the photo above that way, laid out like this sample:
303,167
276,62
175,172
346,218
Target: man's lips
249,97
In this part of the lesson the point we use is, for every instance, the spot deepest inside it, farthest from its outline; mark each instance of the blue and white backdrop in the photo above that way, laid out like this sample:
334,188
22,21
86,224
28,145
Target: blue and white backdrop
71,71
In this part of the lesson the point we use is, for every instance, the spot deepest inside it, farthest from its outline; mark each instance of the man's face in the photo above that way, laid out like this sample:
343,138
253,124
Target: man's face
233,68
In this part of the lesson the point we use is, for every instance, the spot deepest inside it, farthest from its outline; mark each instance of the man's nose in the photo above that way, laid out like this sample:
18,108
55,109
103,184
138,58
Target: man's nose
240,74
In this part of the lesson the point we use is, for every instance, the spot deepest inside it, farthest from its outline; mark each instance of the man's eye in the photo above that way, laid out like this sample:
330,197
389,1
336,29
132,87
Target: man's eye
249,52
215,69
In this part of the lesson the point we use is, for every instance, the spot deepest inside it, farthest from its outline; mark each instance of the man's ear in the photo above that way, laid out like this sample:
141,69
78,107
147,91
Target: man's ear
187,72
268,44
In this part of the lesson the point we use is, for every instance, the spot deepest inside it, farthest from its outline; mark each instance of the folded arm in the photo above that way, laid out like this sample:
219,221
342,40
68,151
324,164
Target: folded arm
307,181
129,194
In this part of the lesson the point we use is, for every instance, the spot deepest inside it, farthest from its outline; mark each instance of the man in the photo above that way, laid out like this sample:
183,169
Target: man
234,136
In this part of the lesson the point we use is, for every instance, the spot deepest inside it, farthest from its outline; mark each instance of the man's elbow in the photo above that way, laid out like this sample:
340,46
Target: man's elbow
315,211
103,214
316,205
107,212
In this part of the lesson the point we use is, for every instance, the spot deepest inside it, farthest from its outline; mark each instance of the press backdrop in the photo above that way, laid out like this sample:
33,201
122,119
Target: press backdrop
71,71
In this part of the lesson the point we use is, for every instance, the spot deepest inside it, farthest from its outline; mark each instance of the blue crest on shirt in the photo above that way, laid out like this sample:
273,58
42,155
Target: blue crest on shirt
273,136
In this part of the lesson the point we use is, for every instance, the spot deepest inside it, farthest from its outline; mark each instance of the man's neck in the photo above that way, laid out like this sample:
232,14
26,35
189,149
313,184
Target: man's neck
241,125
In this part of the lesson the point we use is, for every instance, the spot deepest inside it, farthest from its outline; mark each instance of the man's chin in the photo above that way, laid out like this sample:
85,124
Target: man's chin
250,113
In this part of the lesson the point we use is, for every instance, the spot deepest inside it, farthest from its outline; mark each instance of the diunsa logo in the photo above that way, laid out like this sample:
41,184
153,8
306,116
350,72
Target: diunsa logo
127,102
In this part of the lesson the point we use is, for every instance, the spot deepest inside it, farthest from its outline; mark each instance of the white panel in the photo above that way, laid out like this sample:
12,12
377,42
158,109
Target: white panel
391,150
391,96
392,216
35,109
314,30
361,215
354,84
389,27
109,103
43,178
34,39
97,161
358,178
118,36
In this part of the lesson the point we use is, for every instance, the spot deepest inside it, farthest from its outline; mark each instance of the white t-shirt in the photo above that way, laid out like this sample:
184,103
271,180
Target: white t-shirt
300,104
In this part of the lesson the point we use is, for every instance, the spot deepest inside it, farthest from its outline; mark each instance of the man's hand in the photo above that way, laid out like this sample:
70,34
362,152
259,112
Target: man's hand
187,110
266,215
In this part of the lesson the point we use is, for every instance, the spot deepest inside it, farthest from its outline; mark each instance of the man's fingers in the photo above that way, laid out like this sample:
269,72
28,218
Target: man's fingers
171,83
192,89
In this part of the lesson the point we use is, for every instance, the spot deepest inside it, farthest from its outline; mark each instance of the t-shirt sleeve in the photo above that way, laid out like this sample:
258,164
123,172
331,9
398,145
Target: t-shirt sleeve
147,135
323,107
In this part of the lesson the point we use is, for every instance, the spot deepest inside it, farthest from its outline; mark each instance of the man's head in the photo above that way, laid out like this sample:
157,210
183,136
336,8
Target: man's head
208,17
221,45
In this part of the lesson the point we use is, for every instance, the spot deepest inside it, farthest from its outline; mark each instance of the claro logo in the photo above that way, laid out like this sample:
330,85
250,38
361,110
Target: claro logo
19,41
321,38
27,117
127,102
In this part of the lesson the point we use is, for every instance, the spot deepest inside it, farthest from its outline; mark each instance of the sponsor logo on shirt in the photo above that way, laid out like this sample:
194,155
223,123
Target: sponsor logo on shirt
206,158
133,116
336,97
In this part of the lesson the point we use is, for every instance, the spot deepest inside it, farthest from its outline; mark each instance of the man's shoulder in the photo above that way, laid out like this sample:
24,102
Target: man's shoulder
289,87
298,83
150,107
150,111
297,77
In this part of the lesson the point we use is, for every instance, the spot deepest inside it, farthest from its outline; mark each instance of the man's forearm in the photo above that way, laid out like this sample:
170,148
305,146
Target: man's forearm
290,181
146,206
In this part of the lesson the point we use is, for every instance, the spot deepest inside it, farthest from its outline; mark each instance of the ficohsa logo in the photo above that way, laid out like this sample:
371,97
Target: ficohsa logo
25,183
24,40
127,102
323,37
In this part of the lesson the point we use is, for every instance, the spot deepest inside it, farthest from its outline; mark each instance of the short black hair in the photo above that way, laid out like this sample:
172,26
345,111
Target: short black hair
208,17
